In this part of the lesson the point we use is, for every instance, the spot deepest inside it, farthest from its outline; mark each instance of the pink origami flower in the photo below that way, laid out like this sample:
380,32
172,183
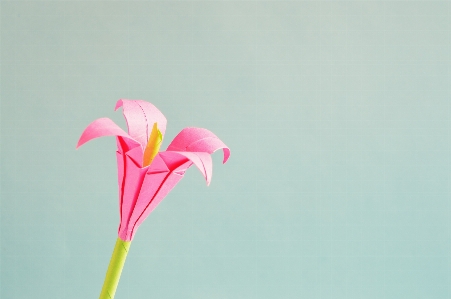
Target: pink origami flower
142,187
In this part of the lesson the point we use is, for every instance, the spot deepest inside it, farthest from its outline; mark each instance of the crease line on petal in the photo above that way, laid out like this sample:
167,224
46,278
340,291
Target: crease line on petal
140,117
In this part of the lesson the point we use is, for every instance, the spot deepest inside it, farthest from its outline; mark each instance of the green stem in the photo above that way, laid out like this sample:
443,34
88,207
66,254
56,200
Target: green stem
113,273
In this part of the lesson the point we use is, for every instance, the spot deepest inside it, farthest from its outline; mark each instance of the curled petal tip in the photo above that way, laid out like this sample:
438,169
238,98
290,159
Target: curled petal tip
226,151
101,127
198,140
118,104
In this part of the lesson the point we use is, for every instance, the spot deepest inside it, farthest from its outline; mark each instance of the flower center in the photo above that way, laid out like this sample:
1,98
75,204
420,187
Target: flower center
153,145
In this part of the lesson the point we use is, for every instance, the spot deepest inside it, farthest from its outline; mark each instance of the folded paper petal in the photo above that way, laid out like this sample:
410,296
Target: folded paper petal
140,117
198,140
156,186
136,183
202,160
169,183
102,127
132,182
144,188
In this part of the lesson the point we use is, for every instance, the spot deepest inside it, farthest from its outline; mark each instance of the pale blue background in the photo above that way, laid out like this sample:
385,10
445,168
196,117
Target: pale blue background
337,113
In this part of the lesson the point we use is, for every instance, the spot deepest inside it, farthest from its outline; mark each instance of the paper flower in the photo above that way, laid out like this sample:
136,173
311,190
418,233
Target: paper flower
146,175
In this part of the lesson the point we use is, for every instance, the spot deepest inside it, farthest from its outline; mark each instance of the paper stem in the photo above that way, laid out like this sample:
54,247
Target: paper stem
114,271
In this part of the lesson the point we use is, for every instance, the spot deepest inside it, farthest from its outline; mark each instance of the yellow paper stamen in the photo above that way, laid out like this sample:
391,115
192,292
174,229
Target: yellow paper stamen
153,145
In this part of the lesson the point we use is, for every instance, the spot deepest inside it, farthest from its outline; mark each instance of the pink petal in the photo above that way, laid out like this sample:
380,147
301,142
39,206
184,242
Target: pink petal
156,187
133,178
198,140
120,175
202,161
171,180
136,155
139,187
102,127
140,116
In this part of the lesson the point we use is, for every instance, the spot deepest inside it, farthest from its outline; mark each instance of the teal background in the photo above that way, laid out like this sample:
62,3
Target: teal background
337,114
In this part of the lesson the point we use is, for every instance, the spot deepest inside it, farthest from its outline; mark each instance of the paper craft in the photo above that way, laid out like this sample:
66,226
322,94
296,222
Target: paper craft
146,175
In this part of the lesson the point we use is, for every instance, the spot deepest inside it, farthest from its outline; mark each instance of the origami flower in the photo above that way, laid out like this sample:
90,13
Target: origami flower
146,175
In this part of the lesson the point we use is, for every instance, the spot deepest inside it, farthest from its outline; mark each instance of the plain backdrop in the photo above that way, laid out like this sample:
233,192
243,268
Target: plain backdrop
337,114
